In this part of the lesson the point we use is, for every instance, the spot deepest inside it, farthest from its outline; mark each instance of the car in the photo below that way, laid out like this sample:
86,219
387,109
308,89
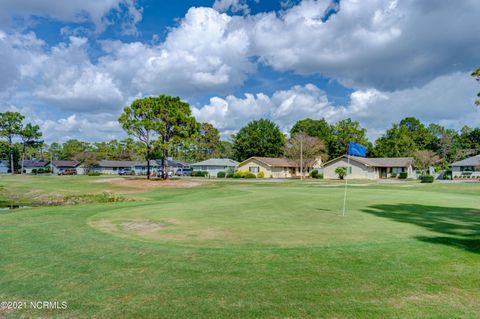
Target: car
125,171
184,171
67,171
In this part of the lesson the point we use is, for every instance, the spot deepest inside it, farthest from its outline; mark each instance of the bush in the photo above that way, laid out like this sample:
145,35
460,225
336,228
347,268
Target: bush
314,174
261,175
199,173
40,171
34,171
230,175
403,175
341,171
94,173
393,175
241,174
426,179
221,174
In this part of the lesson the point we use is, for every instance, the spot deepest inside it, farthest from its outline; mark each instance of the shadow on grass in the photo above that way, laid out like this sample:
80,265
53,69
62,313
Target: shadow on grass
457,227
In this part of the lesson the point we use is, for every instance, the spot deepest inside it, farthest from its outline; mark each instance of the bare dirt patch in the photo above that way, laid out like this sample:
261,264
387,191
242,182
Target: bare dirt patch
142,184
142,227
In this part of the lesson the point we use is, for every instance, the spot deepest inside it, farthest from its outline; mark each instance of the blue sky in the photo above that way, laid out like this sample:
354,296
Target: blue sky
72,66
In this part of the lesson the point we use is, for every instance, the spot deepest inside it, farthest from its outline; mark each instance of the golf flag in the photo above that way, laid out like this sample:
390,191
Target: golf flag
355,149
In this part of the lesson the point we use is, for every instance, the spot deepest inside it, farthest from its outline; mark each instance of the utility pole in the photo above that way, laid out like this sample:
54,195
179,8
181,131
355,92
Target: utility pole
301,156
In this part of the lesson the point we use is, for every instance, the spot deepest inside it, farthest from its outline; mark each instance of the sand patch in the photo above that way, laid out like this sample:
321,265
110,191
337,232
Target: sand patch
142,184
142,227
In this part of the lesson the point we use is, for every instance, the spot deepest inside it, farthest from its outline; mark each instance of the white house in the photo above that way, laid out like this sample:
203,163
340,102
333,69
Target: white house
112,167
215,165
61,165
370,168
468,167
30,165
4,167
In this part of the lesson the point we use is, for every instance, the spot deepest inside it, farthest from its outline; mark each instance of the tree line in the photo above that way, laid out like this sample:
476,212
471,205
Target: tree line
163,127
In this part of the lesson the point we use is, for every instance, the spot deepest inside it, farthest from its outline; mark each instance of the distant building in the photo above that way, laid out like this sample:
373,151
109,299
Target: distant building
370,168
4,167
275,167
113,167
467,167
215,165
30,165
57,166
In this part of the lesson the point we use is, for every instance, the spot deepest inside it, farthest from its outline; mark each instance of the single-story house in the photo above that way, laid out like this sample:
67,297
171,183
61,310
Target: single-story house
271,167
4,167
30,165
112,167
467,167
370,168
173,165
60,165
215,165
141,168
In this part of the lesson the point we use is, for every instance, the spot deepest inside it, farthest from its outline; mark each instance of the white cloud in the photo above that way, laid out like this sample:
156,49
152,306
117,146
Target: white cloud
205,53
231,5
284,107
447,100
386,44
73,11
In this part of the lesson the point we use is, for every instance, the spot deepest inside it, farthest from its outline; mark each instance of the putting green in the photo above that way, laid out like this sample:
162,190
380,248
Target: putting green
269,216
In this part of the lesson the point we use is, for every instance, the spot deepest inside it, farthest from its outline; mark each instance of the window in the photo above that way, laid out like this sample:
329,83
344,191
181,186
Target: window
254,169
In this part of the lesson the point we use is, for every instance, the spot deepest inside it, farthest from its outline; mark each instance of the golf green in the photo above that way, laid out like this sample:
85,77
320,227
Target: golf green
245,250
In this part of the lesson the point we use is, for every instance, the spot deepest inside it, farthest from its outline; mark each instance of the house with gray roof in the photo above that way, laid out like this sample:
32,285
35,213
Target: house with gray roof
30,165
370,168
468,167
57,166
215,165
4,167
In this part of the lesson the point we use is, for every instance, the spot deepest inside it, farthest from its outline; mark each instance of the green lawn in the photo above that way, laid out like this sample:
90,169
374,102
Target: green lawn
245,250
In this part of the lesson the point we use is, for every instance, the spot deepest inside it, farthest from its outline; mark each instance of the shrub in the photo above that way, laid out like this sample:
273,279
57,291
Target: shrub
393,175
341,171
230,175
426,179
34,171
199,173
403,175
314,174
94,173
241,174
261,175
221,174
40,171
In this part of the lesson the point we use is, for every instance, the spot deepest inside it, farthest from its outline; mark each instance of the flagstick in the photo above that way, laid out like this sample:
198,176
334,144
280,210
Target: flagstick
346,184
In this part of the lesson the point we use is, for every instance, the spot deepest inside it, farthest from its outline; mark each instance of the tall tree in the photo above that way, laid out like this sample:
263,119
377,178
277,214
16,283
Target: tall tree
404,138
346,131
142,121
11,126
72,147
29,135
207,142
158,122
305,150
425,159
315,128
258,138
476,75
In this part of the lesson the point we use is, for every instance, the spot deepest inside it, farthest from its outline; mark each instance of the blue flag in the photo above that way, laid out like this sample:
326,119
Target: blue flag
355,149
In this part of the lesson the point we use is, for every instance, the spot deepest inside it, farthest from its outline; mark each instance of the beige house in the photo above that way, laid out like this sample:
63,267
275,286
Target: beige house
370,168
272,167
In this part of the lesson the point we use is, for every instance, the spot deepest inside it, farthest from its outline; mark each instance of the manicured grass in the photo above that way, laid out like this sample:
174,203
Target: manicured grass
245,250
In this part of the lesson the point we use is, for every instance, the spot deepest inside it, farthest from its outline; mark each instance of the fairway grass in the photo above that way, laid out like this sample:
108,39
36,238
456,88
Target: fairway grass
245,250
